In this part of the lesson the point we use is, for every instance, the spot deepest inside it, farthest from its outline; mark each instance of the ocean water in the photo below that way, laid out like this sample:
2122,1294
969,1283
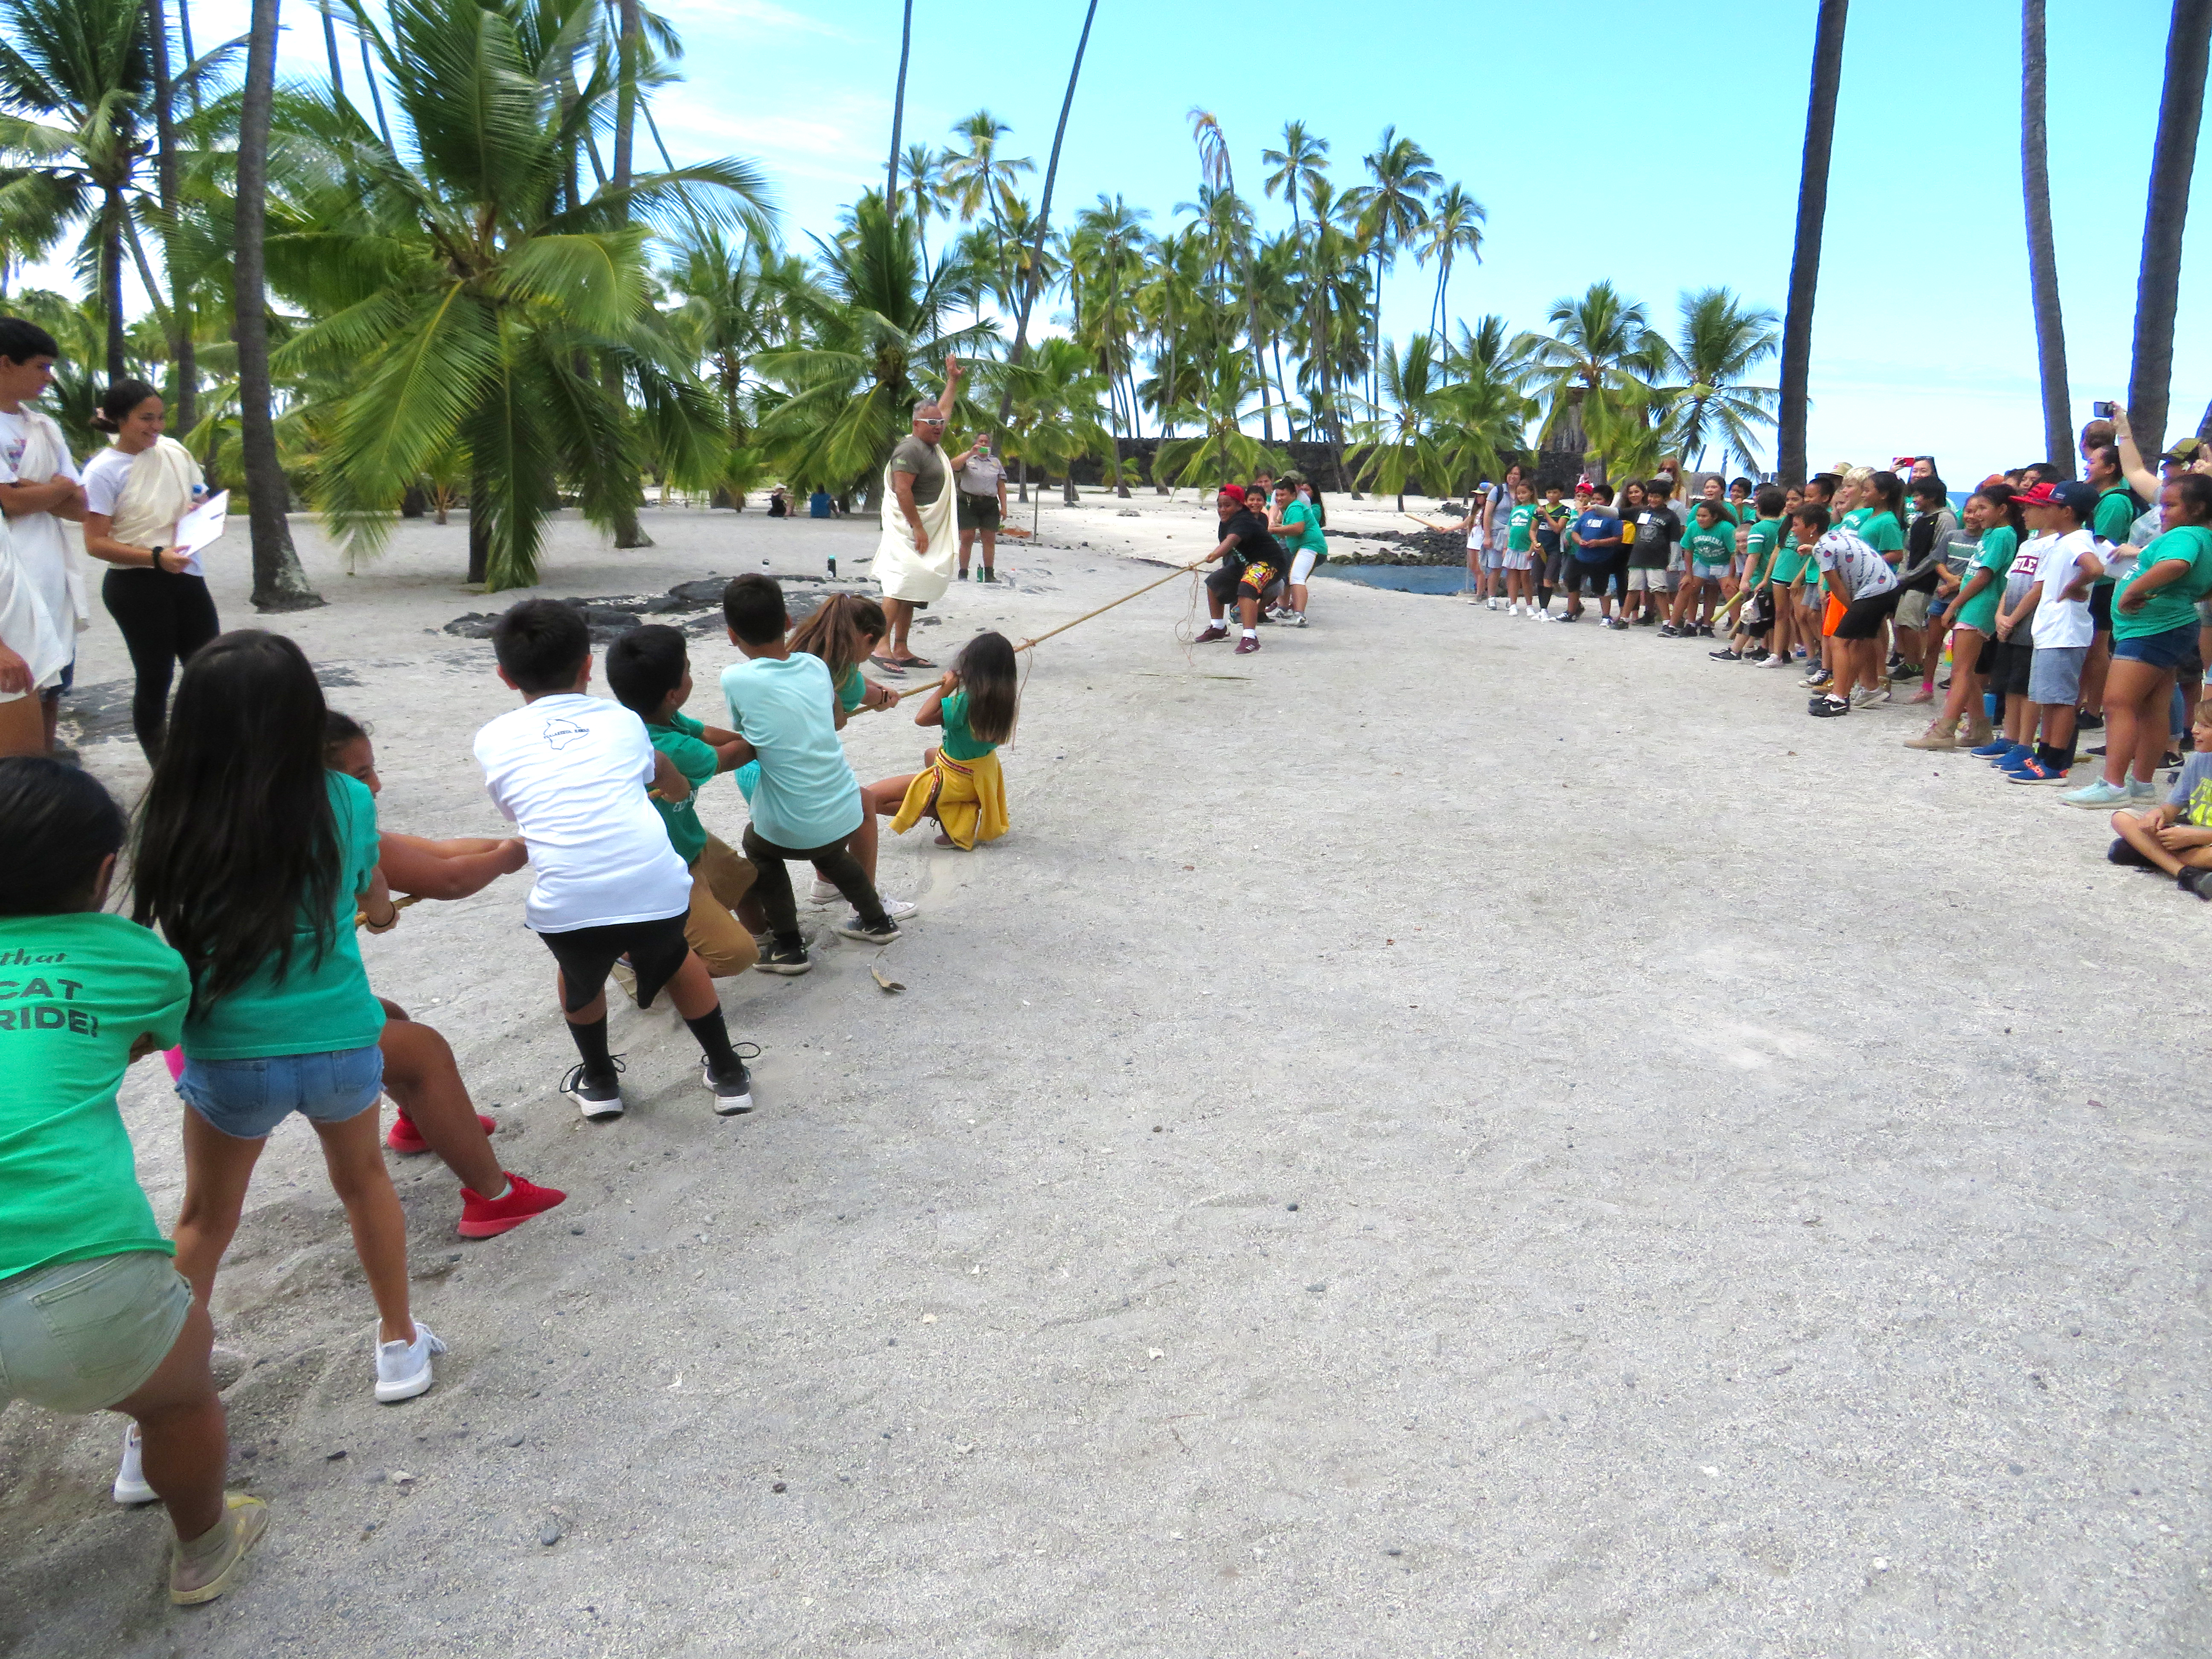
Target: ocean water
1400,578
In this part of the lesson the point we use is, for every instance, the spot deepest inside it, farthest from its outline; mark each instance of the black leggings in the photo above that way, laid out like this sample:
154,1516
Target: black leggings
165,617
773,886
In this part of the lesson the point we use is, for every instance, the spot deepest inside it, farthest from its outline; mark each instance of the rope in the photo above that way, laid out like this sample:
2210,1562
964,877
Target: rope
360,917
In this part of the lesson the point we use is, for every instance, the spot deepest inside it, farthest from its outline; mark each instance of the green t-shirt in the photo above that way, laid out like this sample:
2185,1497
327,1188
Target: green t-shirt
75,992
1710,549
852,689
1520,528
696,760
1856,516
2174,606
1759,542
1305,520
1995,555
961,743
314,1007
1880,531
2115,514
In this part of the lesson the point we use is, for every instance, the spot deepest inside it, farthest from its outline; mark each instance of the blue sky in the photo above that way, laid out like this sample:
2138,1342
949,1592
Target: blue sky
1662,166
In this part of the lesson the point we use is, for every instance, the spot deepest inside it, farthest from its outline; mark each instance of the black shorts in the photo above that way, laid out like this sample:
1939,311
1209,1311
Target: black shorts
976,512
1986,661
1862,617
2100,605
656,949
2008,673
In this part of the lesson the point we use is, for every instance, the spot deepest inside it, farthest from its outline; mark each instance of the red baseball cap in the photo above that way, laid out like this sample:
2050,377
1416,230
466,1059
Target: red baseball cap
2041,494
1235,492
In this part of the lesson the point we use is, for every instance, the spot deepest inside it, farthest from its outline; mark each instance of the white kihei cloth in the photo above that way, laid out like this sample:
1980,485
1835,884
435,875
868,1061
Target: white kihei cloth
39,542
158,493
918,578
25,627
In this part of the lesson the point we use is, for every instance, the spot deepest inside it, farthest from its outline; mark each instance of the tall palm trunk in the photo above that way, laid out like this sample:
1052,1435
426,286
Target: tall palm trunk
375,95
898,113
628,531
2172,160
330,47
111,280
1035,274
184,38
278,582
184,392
2042,250
1805,259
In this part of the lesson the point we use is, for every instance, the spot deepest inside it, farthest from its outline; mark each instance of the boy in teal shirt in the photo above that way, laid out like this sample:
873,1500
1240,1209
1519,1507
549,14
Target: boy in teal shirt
649,671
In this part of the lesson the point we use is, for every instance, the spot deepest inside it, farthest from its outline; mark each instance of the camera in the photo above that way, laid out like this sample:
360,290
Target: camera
2103,409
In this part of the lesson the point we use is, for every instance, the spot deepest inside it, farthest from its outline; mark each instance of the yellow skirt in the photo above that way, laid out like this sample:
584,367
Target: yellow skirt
972,800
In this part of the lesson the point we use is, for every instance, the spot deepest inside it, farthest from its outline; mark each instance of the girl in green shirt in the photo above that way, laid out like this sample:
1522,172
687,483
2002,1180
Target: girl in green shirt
1297,524
252,857
1992,517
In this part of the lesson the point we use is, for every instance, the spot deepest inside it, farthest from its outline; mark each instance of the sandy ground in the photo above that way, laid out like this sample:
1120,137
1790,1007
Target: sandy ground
1449,1136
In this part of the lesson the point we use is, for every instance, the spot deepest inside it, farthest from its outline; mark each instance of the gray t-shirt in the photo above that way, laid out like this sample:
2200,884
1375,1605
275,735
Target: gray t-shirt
2192,790
979,476
926,462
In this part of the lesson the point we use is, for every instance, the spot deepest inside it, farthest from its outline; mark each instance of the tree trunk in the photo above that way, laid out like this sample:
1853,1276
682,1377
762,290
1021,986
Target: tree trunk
1805,259
1067,496
184,38
184,387
278,582
628,531
111,282
2042,250
898,117
1044,221
479,530
331,46
2172,160
375,95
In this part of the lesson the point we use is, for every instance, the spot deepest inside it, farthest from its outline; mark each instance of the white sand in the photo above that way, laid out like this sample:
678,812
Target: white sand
1750,1195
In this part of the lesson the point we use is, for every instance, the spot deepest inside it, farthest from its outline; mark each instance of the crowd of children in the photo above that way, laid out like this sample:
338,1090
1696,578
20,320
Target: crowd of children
252,860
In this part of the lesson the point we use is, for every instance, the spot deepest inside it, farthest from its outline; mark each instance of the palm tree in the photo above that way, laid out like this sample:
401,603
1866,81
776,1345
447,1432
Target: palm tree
1598,362
1107,250
278,582
1480,420
1044,210
1489,346
466,302
925,183
1056,419
875,320
1221,448
1401,446
1233,230
1392,206
977,181
2042,250
1302,159
1454,223
1719,342
1805,257
182,352
84,66
898,102
2172,160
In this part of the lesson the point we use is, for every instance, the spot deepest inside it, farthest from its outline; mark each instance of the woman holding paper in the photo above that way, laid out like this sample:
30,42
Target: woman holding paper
135,490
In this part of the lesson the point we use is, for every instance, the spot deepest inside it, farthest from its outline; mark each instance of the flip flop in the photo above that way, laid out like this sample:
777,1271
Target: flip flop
916,662
887,665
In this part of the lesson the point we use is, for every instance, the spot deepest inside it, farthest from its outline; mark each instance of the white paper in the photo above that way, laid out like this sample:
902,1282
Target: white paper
199,528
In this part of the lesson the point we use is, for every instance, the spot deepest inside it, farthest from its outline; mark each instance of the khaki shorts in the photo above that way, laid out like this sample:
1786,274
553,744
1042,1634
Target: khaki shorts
1650,581
720,879
1912,609
82,1335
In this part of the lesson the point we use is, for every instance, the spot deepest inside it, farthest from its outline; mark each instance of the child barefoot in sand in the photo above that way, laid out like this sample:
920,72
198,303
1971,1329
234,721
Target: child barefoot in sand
977,703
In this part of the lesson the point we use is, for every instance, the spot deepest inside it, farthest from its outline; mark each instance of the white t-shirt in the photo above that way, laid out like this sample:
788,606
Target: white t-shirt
2057,622
1859,570
571,771
105,475
41,548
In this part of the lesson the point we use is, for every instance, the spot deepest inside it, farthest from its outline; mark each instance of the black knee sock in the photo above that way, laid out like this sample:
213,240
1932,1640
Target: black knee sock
592,1043
714,1038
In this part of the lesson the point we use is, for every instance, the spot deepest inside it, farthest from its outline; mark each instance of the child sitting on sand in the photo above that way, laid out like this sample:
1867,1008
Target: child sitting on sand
807,803
977,703
2176,837
572,772
649,671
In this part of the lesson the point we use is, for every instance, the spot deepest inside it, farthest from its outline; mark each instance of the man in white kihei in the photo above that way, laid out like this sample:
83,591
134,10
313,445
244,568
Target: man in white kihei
39,488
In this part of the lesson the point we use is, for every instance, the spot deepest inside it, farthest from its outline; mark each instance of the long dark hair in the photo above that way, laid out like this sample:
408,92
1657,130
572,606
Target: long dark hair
56,827
985,667
235,840
1889,489
842,630
1999,495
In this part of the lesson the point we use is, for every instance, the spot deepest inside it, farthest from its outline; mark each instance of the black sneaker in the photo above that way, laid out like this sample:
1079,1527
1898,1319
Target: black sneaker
1725,656
1668,631
2124,854
777,960
2198,882
2090,722
853,927
1704,630
596,1096
1827,708
732,1090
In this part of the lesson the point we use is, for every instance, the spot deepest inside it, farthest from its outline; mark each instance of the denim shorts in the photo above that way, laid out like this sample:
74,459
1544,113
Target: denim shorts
247,1098
79,1336
2054,673
2168,650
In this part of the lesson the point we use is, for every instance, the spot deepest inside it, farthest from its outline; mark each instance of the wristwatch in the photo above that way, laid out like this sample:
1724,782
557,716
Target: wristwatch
154,563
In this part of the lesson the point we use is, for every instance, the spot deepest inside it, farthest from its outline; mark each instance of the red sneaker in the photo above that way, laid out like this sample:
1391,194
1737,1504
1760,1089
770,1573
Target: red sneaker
1213,631
487,1217
1249,644
405,1137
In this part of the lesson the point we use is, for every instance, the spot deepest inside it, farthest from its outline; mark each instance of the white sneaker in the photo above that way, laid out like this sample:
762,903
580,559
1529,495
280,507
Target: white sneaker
131,1485
1493,604
403,1368
897,909
825,892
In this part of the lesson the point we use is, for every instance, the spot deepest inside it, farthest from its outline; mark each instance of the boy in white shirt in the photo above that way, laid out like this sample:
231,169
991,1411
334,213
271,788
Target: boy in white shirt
2058,611
39,488
572,772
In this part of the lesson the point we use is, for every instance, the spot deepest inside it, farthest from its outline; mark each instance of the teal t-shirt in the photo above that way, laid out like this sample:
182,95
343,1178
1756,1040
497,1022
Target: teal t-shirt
1998,546
75,992
850,690
2174,606
1710,549
806,795
1521,528
1758,541
961,743
696,760
313,1008
1305,520
1880,531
